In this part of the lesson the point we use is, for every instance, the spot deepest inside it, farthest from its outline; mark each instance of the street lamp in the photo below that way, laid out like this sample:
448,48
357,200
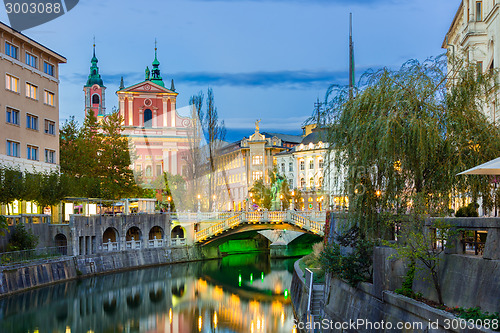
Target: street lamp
281,201
199,205
168,199
292,206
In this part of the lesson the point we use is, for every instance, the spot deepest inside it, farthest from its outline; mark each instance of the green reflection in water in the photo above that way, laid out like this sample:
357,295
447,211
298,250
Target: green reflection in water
212,296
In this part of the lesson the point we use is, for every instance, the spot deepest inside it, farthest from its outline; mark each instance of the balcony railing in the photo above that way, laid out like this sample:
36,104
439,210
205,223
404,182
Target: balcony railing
10,258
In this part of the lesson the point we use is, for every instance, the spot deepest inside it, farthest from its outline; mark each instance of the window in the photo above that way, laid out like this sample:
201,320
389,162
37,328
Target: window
31,122
32,153
479,11
12,116
311,164
12,148
283,167
49,98
158,170
31,90
48,68
257,175
320,164
311,182
95,99
31,60
11,50
290,183
50,127
50,156
290,167
11,83
302,165
302,182
257,160
479,66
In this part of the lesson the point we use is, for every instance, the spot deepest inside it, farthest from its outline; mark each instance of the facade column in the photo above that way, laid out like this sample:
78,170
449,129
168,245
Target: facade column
122,109
131,111
165,112
174,162
172,112
141,119
154,118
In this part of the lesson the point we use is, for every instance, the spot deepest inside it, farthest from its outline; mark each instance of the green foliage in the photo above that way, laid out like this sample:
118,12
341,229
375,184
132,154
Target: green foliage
22,239
407,286
3,225
468,211
477,315
95,158
405,136
278,190
353,266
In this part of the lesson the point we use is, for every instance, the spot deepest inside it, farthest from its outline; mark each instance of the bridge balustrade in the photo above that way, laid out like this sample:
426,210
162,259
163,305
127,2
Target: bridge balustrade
110,247
155,243
133,245
178,241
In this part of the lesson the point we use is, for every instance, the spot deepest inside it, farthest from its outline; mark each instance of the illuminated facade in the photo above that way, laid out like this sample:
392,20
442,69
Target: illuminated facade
158,134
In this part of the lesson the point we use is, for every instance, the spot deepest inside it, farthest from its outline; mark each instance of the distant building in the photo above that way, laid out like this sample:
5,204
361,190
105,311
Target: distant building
158,134
310,169
474,35
242,163
30,102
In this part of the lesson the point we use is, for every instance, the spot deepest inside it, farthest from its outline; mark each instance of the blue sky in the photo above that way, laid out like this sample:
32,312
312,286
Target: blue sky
264,59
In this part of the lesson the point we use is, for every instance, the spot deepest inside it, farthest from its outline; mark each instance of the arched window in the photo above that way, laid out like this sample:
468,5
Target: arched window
148,116
148,171
302,182
311,182
95,99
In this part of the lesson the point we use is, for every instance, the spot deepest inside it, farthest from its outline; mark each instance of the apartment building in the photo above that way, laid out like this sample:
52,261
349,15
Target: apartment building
29,102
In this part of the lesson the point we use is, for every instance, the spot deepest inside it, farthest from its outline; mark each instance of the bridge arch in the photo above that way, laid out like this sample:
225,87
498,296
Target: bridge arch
133,233
178,232
156,232
110,235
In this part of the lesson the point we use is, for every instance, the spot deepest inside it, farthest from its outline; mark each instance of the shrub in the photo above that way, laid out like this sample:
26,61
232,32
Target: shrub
22,239
468,211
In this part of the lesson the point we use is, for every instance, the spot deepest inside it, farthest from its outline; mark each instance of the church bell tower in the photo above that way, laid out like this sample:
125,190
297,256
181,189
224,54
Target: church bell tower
95,91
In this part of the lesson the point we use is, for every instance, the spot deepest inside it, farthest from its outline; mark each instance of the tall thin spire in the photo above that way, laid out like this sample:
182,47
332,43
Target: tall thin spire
155,71
351,59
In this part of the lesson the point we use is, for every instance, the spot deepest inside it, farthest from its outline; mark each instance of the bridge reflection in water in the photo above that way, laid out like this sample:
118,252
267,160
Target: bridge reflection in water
244,293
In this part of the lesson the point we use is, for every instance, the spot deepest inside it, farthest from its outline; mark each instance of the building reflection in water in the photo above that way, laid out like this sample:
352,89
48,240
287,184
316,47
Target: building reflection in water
237,294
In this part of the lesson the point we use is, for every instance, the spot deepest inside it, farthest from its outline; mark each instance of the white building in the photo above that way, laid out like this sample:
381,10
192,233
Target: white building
473,35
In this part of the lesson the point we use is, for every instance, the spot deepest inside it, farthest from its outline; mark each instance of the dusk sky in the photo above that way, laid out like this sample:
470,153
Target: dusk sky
264,59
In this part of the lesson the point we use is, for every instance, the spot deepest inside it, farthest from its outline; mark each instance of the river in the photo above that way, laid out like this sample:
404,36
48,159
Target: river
239,293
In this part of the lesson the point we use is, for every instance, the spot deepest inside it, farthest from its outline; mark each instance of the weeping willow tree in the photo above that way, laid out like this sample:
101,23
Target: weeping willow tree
406,134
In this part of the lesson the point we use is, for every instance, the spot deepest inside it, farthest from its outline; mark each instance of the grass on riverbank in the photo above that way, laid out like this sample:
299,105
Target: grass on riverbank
311,261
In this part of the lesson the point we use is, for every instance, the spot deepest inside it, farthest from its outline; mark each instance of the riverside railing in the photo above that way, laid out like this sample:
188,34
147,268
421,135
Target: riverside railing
14,257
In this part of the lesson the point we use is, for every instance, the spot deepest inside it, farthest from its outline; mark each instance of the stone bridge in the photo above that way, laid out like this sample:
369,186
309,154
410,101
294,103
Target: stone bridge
300,222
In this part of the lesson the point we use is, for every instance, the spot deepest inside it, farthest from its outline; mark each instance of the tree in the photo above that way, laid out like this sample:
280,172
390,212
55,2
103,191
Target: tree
11,184
406,134
425,246
277,191
96,158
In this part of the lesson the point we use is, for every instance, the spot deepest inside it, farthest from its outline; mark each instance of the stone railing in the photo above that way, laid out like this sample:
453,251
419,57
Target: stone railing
178,242
110,247
133,245
290,217
28,218
156,243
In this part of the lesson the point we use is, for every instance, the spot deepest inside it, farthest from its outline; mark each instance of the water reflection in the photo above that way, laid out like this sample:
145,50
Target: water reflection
244,293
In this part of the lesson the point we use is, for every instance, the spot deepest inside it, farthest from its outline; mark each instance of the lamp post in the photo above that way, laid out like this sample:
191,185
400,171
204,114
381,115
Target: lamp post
293,201
213,203
281,201
199,204
250,202
169,198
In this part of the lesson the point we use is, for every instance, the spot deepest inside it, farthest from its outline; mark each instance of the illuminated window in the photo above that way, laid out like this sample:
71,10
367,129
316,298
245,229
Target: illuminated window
302,182
290,167
311,164
257,175
31,90
49,98
11,83
320,164
257,160
302,165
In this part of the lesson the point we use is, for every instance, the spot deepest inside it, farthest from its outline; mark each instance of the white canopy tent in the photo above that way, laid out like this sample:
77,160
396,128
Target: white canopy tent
489,168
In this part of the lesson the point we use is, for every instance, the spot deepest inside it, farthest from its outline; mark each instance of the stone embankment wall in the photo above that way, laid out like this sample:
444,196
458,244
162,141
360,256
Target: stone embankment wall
467,282
36,274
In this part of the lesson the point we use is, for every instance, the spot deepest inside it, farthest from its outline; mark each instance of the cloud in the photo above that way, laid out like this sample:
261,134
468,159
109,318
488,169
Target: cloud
293,79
